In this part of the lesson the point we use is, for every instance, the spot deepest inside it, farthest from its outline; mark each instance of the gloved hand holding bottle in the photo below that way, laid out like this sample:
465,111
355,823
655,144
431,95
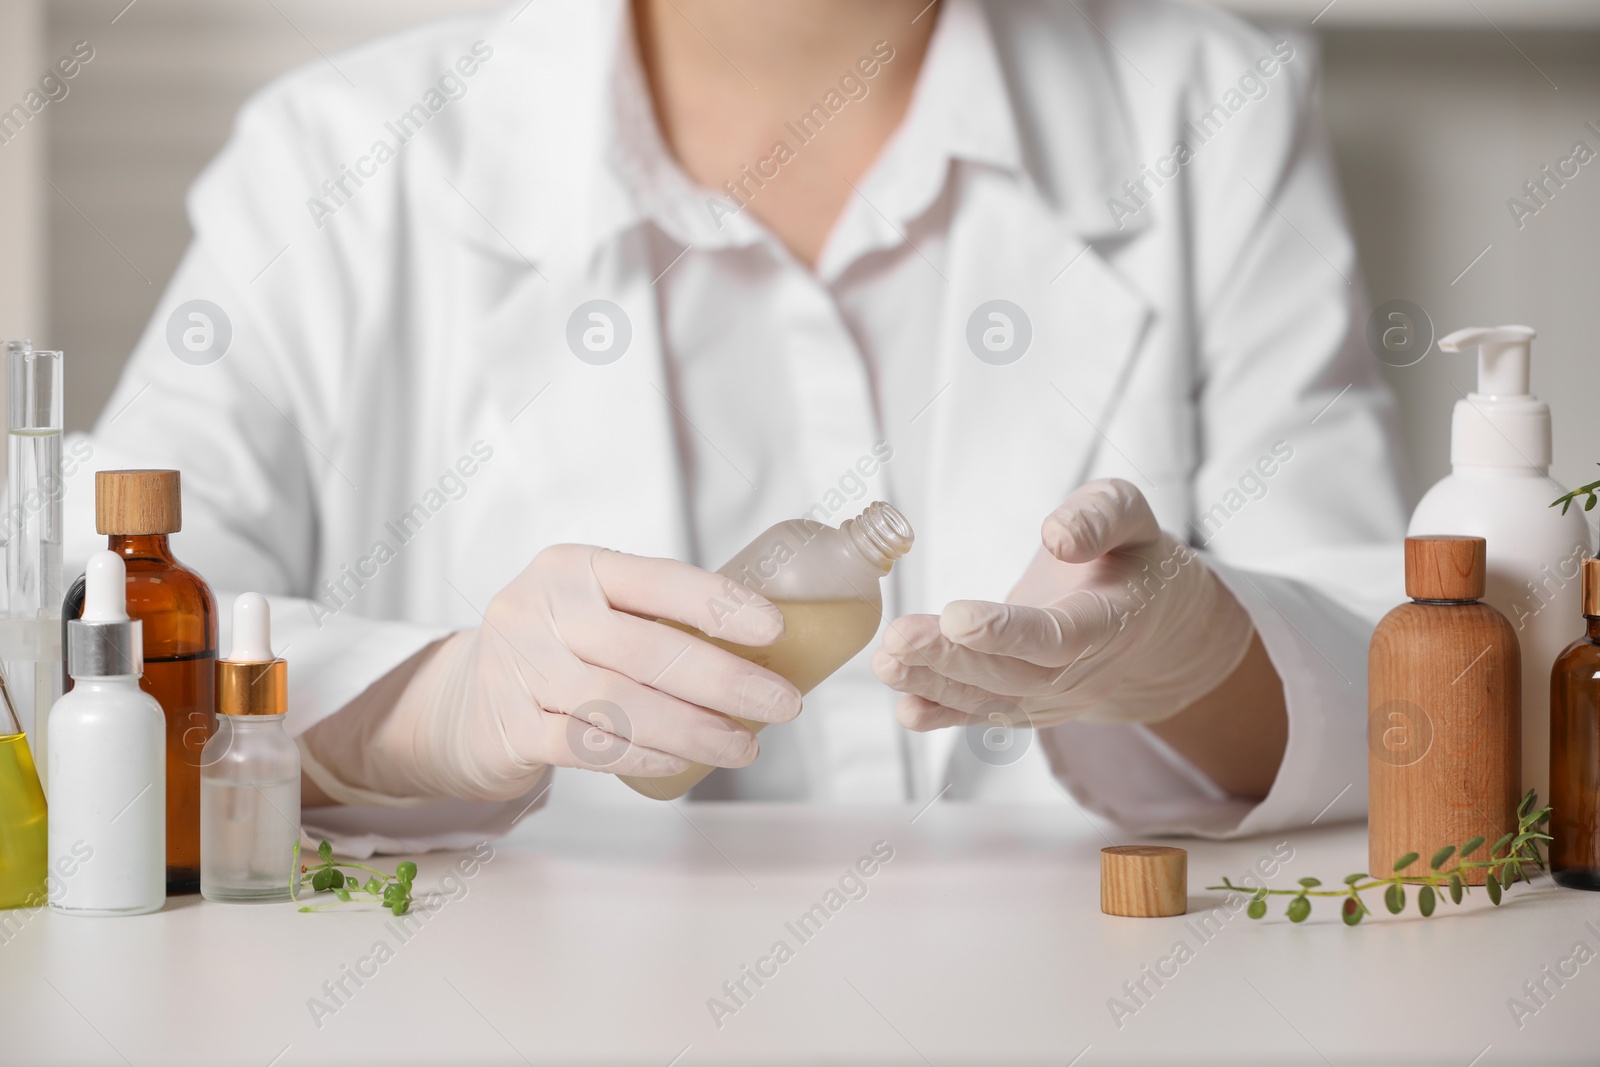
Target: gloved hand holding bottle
1114,621
572,668
568,669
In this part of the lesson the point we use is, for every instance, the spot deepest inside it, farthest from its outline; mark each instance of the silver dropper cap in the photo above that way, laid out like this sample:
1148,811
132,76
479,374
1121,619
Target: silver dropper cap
105,643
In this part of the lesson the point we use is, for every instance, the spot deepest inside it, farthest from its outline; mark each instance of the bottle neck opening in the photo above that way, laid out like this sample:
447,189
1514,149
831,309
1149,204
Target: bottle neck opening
881,534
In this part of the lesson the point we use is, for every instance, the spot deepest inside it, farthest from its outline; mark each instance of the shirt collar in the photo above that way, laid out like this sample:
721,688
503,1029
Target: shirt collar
568,154
960,111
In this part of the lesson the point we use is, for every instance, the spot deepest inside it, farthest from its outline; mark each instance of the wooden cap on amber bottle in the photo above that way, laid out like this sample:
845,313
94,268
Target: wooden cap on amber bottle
135,503
1445,567
1144,881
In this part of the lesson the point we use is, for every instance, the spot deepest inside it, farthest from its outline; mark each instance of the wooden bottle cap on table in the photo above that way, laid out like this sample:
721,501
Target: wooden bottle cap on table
137,502
1144,881
1445,567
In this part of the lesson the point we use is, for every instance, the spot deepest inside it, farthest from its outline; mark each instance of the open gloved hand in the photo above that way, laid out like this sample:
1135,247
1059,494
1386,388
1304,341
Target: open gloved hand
568,669
1114,621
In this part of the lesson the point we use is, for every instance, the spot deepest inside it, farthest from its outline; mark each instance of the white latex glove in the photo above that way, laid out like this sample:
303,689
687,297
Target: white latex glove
1114,621
568,669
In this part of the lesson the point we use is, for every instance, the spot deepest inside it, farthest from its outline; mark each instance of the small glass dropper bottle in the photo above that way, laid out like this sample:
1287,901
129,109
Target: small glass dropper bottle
250,771
825,581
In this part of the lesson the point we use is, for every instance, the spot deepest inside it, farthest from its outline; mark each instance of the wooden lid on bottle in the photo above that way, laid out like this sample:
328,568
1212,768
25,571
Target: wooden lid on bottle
137,502
1590,584
1144,881
1445,567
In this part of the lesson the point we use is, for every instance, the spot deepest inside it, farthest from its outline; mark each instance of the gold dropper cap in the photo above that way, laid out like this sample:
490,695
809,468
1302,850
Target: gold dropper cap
252,688
252,681
1590,584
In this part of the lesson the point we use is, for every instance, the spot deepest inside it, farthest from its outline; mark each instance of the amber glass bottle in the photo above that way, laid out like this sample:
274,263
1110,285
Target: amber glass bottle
1575,749
137,510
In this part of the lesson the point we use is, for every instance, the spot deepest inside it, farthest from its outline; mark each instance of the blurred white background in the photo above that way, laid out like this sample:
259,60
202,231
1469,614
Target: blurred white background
1440,110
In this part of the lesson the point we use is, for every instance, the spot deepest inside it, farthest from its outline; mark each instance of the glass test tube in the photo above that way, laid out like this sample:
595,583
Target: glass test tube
30,634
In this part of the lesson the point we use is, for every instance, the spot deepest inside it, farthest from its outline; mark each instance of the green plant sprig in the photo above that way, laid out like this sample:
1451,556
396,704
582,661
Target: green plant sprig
1589,492
1506,860
393,891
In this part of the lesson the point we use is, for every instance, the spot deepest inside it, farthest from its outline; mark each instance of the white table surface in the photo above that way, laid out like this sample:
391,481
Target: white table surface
598,936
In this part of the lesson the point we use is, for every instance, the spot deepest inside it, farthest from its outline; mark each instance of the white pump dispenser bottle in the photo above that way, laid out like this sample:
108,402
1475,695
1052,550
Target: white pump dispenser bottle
1500,489
108,762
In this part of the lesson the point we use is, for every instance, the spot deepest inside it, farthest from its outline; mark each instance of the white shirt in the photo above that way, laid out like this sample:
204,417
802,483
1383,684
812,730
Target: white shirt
780,402
399,350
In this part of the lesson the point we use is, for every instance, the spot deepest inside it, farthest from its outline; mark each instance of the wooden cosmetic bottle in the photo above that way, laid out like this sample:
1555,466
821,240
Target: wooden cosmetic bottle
1444,722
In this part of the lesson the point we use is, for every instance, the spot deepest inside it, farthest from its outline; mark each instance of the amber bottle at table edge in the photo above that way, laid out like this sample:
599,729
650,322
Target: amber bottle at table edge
137,510
1575,749
1444,723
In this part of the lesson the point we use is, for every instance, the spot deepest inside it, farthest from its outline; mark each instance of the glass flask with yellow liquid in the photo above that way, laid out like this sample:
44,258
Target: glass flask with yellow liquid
23,830
826,582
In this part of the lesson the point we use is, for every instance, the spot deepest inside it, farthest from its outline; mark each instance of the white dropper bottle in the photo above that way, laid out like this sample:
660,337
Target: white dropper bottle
1500,489
108,765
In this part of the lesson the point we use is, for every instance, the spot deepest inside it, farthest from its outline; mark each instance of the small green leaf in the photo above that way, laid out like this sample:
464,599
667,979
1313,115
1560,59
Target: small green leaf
1260,894
1405,861
1588,505
342,893
1310,883
307,907
1442,856
1493,885
1455,888
1500,844
1527,802
336,879
406,872
1352,879
1352,911
1470,846
1394,898
1299,908
1257,909
373,886
400,907
325,850
320,880
1425,900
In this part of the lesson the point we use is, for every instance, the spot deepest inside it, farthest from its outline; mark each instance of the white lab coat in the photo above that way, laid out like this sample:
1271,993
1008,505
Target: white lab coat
408,356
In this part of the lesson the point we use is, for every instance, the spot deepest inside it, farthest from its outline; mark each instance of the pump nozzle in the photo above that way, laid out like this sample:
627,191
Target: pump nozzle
1503,355
1501,424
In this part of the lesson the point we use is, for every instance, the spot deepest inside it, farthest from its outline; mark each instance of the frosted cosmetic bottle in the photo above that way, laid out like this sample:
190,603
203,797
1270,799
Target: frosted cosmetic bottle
250,771
107,753
825,581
